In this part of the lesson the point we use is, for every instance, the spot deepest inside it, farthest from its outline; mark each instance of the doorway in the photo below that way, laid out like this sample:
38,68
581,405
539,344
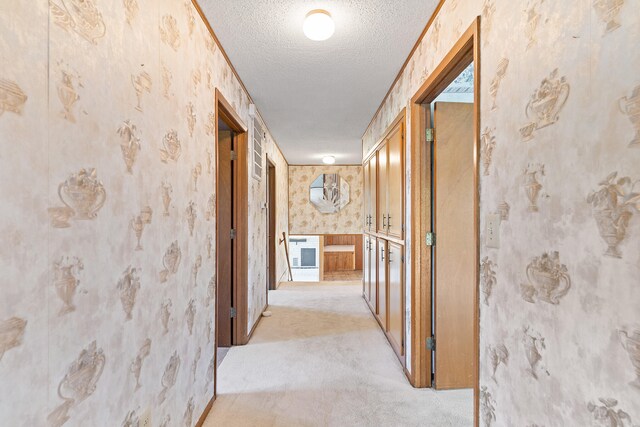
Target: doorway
445,259
271,226
231,230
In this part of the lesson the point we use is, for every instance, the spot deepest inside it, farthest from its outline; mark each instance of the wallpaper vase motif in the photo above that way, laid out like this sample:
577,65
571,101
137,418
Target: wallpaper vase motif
630,340
12,98
11,333
630,106
545,104
66,282
83,194
548,279
613,206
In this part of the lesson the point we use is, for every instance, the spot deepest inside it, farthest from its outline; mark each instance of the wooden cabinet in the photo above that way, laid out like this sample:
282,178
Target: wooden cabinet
395,183
382,283
381,211
395,292
384,178
390,184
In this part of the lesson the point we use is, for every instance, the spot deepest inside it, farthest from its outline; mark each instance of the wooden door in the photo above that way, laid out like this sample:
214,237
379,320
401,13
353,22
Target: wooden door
396,296
373,273
395,181
382,283
366,172
455,250
224,249
271,226
366,268
373,181
382,208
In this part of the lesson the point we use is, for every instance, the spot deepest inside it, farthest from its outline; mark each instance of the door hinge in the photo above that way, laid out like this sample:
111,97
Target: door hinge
233,312
234,155
233,233
402,258
430,134
430,239
431,343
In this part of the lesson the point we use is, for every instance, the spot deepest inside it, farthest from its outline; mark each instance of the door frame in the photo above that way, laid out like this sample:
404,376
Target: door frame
225,112
272,206
465,51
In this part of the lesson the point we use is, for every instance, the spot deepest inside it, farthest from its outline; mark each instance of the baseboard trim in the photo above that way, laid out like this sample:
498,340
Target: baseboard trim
205,413
255,325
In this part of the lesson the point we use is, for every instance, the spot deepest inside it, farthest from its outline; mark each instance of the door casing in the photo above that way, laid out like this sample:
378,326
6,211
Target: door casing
465,51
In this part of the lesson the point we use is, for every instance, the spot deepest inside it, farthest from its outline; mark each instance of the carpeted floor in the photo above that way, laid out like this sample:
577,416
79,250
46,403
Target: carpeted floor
322,360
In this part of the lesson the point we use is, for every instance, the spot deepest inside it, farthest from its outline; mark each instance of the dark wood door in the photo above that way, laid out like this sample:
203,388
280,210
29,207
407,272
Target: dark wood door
455,250
396,296
271,226
224,244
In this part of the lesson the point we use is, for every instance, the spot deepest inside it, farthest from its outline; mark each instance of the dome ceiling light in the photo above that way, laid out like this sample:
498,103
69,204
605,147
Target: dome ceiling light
328,160
318,25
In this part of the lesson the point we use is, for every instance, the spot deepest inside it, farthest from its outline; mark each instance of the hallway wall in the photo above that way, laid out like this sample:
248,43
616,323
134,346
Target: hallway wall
109,108
548,357
304,218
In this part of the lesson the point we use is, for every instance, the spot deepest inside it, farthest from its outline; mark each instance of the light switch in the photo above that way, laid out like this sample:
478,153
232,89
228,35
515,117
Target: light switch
492,231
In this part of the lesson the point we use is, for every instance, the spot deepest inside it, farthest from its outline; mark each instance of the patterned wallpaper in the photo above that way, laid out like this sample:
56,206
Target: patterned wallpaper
304,218
106,124
560,329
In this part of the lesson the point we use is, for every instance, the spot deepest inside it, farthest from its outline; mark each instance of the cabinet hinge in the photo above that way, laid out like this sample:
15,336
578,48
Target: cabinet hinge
431,343
233,312
233,233
234,155
430,134
430,239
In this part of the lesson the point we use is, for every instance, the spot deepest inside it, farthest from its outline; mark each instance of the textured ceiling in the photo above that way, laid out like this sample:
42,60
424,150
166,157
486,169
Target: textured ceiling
317,98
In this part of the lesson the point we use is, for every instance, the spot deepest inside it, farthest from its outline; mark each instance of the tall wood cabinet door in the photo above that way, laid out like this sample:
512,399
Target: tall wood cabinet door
395,182
382,209
382,283
373,188
367,196
455,250
373,273
366,268
396,296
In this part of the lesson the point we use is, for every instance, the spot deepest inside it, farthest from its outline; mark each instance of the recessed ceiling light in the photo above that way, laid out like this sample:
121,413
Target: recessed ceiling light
318,25
328,160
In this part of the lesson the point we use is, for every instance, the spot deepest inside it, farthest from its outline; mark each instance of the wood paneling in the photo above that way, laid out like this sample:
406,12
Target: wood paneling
346,239
373,284
366,268
395,181
395,291
455,252
339,261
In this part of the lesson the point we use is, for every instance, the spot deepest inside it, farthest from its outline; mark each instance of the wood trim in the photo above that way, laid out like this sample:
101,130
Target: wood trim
224,111
205,412
466,50
401,116
395,240
406,62
321,257
255,325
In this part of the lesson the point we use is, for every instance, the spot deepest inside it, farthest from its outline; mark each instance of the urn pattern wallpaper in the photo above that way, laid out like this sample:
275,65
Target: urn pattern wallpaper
560,114
108,171
304,218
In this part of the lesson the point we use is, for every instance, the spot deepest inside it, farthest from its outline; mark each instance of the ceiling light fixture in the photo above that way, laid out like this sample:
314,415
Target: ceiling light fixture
318,25
328,160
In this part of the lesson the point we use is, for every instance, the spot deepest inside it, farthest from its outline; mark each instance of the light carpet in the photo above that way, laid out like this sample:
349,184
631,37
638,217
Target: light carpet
322,360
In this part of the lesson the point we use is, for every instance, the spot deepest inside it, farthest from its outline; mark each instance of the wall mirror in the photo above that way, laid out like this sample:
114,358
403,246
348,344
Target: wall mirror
329,193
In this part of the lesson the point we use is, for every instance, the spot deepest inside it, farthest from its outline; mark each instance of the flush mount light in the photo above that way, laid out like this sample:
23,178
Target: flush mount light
328,160
318,25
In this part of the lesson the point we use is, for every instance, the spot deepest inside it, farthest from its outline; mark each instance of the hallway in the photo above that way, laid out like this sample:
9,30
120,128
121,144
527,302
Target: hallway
321,359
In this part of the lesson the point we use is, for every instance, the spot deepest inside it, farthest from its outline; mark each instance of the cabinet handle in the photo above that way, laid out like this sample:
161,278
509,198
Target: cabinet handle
389,256
382,250
384,221
388,222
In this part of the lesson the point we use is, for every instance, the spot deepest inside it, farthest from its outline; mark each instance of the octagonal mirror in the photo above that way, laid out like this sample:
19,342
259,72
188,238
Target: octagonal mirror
329,193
